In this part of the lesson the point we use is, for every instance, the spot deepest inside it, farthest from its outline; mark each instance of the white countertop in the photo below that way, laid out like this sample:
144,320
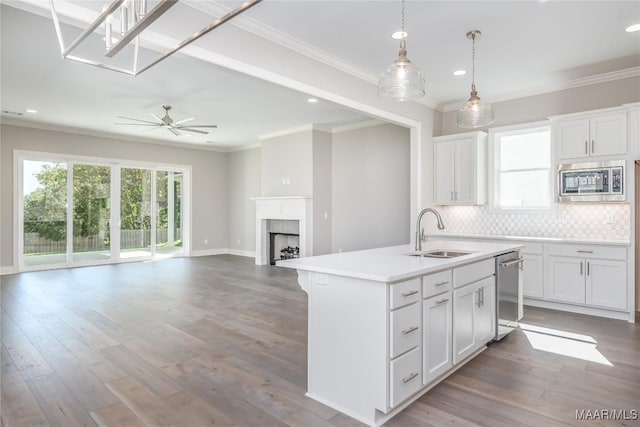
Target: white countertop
391,264
540,239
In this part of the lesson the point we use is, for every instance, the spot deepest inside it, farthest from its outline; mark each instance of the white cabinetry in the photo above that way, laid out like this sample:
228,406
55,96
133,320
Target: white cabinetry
460,169
595,134
634,128
589,275
473,308
437,324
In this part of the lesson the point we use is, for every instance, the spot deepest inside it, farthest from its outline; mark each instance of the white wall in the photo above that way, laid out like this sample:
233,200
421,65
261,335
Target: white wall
287,165
370,188
244,183
322,206
209,178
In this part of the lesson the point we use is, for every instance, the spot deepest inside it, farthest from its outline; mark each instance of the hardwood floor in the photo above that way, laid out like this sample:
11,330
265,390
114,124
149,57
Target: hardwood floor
220,341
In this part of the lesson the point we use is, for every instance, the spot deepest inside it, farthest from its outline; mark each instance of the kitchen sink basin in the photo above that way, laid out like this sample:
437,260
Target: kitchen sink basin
440,254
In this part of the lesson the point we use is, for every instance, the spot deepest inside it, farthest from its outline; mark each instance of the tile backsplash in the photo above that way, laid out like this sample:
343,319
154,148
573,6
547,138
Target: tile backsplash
599,222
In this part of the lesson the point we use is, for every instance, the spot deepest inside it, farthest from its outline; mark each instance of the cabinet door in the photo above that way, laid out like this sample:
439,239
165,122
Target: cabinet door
532,277
437,323
572,138
465,172
485,312
444,173
606,283
609,135
464,338
566,280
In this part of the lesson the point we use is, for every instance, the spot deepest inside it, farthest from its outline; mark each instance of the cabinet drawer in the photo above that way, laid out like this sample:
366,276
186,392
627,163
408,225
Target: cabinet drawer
404,293
531,248
588,251
406,329
436,283
406,376
473,272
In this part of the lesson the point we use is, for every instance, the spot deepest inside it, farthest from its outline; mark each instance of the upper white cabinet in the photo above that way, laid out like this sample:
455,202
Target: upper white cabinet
634,128
460,169
596,134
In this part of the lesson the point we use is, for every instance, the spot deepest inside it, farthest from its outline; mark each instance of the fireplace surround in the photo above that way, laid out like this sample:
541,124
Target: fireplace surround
274,212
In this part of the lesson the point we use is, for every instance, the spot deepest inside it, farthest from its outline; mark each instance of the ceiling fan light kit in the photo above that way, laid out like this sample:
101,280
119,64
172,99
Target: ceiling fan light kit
134,18
402,81
168,123
475,112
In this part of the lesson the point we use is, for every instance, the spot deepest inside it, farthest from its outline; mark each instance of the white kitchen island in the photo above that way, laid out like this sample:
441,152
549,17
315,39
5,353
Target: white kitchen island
385,327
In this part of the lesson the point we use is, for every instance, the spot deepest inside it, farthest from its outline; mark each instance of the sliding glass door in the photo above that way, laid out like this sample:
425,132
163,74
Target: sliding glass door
44,213
91,213
136,213
82,213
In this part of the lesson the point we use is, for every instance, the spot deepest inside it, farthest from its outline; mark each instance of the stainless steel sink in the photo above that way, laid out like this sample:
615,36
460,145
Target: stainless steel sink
440,254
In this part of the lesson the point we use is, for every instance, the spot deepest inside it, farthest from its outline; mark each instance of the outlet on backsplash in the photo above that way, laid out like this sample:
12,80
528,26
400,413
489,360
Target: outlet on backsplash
602,222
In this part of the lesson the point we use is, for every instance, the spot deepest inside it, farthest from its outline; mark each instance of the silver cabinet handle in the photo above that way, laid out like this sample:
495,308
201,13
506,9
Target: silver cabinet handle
588,267
408,294
455,195
584,252
442,283
452,199
581,268
410,377
442,301
586,147
409,330
593,148
478,297
482,296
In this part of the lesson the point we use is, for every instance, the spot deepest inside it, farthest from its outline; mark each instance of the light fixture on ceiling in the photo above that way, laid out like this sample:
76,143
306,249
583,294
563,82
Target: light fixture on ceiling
31,110
312,100
458,73
474,113
133,17
632,28
402,81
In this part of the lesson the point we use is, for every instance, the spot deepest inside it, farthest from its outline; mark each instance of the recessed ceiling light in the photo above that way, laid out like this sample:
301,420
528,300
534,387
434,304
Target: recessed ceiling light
31,110
459,73
312,100
399,35
632,28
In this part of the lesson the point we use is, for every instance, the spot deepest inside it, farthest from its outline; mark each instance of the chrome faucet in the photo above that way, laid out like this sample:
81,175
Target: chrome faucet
419,236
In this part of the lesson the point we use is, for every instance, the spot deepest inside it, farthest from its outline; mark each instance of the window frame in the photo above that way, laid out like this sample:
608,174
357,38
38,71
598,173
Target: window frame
494,167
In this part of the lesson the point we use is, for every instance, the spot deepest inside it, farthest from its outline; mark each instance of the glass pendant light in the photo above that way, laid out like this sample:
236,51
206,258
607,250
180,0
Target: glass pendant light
475,112
402,81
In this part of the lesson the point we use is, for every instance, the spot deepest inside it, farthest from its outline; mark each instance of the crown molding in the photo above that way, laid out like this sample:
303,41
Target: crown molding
570,84
359,125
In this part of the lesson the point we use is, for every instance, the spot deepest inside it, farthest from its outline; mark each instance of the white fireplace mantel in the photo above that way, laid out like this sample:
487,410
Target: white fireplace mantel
283,208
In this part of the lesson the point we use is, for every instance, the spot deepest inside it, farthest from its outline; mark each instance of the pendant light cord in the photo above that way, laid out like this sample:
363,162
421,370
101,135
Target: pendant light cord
403,43
473,61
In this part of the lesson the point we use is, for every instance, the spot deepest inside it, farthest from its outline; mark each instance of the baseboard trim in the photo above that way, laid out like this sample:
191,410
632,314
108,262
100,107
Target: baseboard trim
593,311
238,252
208,252
10,269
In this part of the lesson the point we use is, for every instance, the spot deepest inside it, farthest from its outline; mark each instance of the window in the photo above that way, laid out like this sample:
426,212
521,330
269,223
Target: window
522,167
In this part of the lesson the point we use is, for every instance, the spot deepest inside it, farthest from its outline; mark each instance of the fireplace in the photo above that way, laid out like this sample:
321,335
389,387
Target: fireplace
283,228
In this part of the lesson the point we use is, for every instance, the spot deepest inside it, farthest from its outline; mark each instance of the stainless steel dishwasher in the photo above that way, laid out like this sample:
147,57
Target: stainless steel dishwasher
508,268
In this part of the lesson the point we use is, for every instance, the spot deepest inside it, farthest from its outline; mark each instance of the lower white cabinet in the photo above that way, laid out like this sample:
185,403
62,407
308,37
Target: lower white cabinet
437,335
532,276
473,317
598,277
406,376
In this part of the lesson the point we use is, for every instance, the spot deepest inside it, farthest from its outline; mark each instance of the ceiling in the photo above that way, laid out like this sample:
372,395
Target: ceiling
526,47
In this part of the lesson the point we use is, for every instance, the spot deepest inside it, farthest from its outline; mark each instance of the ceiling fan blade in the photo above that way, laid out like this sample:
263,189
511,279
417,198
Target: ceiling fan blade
138,120
155,116
179,122
203,126
139,124
173,131
193,130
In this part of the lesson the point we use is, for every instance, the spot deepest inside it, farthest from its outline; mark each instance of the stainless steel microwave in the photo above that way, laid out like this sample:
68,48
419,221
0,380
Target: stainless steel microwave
591,182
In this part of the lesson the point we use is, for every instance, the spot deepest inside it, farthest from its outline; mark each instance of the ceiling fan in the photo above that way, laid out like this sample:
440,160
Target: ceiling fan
168,123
